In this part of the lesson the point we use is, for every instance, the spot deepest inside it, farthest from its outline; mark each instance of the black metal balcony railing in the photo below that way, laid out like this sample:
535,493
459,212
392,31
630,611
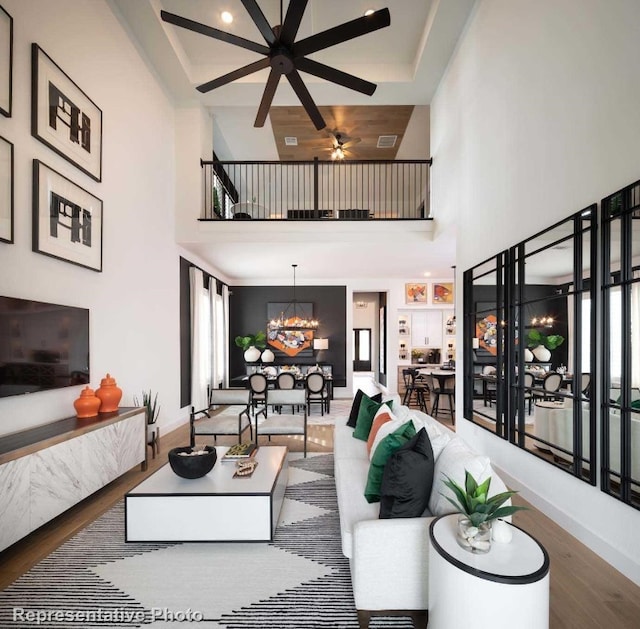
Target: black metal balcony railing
319,190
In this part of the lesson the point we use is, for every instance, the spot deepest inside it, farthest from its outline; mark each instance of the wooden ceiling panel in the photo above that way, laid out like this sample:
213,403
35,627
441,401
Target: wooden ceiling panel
362,122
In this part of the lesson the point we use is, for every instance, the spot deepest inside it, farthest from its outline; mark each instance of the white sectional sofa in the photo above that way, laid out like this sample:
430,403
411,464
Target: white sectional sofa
389,558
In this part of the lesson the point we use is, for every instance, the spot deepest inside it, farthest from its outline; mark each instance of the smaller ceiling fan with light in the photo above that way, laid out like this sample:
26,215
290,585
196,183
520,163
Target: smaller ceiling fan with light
341,144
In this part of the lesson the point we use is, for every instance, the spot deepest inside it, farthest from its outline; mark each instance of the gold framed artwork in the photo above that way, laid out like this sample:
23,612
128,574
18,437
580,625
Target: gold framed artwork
443,293
415,293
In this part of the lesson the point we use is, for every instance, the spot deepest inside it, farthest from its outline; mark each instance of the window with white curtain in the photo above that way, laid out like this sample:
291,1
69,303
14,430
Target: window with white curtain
200,339
218,340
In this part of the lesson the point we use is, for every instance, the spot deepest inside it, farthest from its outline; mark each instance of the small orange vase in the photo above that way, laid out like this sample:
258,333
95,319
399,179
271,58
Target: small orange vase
109,394
87,404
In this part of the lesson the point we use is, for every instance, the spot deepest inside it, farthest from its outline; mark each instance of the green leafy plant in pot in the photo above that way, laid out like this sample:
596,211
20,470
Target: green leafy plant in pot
542,344
251,345
477,511
150,402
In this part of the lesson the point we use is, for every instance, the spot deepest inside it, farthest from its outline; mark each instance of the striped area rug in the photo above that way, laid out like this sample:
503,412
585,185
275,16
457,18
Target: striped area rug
301,580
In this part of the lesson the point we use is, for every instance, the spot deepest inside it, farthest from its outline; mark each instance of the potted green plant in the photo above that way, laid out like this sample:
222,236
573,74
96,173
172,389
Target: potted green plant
477,511
150,403
541,345
251,345
417,355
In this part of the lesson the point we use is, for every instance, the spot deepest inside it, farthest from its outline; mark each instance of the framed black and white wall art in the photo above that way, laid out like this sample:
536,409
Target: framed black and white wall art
6,190
6,62
63,117
67,220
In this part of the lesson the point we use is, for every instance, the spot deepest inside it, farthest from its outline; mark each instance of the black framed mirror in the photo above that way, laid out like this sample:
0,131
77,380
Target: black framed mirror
484,326
621,345
530,344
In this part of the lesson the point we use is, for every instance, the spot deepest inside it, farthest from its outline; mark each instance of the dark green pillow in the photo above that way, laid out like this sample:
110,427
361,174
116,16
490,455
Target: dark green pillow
384,450
355,407
366,413
635,404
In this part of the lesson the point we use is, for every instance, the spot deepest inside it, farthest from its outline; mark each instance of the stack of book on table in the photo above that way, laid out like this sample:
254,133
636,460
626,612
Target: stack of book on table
240,451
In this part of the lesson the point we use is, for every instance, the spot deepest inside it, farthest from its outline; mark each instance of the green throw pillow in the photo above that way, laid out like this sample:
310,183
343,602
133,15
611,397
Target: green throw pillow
366,413
385,449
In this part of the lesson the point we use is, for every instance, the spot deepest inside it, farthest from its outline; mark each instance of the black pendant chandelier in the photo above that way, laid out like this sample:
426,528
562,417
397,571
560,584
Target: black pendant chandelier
293,316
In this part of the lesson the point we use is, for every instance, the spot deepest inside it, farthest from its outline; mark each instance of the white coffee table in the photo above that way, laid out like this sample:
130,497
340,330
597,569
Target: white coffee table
214,508
505,588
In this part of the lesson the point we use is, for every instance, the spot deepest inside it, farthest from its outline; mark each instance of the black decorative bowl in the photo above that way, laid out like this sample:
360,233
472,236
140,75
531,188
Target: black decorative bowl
194,466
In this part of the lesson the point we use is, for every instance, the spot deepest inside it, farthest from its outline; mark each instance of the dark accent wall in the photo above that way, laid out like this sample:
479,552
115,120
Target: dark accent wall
545,300
248,314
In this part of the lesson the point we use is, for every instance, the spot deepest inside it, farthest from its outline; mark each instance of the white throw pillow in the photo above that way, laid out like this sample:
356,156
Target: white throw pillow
455,459
437,435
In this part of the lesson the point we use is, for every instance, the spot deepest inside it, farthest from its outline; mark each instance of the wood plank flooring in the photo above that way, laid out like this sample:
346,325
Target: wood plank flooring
586,592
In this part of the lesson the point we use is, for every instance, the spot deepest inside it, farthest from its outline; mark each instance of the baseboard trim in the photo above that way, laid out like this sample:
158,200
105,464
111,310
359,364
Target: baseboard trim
575,528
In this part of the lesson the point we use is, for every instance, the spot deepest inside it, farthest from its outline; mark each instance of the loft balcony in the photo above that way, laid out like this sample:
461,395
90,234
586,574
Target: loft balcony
323,191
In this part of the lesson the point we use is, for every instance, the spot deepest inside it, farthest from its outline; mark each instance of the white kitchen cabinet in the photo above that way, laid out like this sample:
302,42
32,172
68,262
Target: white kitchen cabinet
426,328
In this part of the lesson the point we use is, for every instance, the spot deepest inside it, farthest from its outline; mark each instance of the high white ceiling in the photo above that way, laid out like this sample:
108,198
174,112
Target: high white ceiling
406,60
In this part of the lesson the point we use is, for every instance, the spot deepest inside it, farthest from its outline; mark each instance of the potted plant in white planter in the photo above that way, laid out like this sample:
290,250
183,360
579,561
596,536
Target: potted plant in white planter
251,345
477,512
541,345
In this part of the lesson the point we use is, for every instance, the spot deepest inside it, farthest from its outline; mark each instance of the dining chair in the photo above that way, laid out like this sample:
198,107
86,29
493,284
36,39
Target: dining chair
258,385
550,385
317,392
489,386
286,381
529,383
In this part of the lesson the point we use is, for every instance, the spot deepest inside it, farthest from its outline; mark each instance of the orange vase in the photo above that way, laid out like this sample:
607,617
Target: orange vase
87,404
109,394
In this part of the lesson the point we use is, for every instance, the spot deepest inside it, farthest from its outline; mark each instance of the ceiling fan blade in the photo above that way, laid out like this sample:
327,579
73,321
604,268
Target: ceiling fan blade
261,64
305,98
260,20
267,98
215,33
292,20
335,76
344,32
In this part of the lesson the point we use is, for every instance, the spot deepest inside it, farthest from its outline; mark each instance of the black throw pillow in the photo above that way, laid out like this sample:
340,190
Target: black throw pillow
355,407
407,479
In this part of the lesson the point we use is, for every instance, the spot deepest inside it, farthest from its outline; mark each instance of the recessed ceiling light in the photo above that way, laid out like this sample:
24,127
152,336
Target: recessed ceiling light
369,11
427,273
227,18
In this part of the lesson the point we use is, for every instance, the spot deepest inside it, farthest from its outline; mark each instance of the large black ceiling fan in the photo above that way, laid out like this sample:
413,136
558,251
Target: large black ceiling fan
286,56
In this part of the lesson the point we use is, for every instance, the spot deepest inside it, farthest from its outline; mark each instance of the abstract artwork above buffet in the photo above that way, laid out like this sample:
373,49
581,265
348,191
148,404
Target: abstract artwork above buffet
6,62
284,330
63,117
67,220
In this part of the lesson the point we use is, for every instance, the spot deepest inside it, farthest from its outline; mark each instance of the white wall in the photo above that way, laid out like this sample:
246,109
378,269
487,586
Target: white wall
536,118
133,303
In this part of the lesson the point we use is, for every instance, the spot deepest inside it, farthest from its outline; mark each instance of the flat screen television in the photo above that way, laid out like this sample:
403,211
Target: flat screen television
42,346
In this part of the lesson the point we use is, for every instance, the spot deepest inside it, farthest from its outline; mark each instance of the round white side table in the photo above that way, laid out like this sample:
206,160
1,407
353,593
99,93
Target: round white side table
504,588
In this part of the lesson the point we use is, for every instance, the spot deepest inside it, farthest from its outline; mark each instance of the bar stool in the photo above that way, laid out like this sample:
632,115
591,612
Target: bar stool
444,385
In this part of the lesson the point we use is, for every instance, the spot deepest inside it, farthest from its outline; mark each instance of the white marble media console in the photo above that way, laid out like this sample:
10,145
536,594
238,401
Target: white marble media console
48,469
